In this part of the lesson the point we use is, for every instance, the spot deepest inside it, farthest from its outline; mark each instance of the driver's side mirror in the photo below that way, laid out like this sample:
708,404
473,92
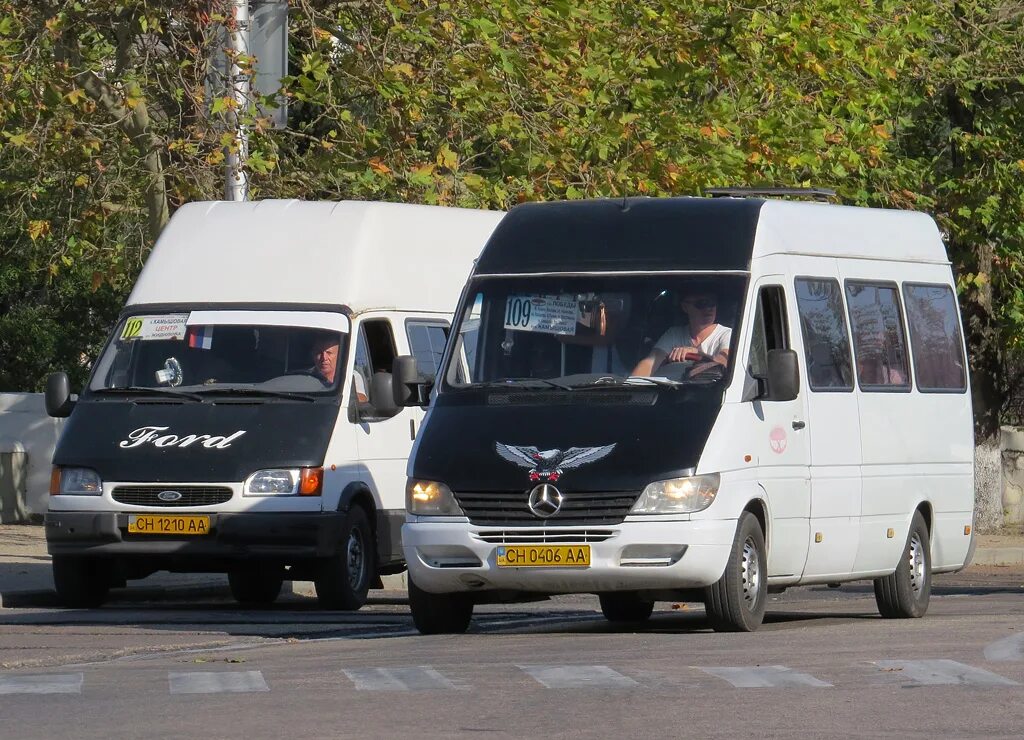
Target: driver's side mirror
382,396
783,380
409,388
59,401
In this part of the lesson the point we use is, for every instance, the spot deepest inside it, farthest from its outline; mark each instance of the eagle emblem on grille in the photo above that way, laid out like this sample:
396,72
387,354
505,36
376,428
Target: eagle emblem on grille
550,465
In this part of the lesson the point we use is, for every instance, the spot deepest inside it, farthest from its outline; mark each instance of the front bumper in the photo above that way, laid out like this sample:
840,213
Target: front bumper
286,536
454,556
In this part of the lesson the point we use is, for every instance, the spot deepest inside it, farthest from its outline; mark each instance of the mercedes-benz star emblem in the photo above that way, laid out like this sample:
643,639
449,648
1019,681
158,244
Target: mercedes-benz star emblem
545,500
169,496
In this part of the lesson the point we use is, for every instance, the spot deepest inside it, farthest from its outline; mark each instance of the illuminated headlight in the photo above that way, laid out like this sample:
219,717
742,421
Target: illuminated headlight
678,496
76,482
430,498
285,482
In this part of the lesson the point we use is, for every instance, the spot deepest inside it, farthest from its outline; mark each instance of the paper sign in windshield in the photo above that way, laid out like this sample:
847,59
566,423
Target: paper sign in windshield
168,326
549,314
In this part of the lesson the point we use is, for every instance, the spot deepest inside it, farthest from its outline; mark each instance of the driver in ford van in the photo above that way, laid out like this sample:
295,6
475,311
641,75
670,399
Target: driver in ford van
701,340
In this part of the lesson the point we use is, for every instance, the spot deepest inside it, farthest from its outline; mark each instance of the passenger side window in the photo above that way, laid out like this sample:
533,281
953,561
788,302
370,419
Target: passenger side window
375,353
826,340
935,338
427,340
879,343
770,329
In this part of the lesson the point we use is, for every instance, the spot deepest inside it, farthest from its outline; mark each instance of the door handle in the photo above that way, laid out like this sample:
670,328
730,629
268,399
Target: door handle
799,425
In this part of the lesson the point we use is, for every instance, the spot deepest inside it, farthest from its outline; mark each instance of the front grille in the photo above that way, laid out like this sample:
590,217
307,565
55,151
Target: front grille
543,536
510,507
190,495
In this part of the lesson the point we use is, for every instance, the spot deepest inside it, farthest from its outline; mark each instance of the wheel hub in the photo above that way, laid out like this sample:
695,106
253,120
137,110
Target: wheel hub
355,559
750,574
915,557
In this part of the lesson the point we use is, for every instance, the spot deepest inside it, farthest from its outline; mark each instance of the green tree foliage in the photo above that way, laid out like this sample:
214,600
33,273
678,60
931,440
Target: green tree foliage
109,122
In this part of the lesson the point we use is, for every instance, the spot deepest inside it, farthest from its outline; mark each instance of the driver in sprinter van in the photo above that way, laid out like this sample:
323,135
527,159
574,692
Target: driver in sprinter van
701,340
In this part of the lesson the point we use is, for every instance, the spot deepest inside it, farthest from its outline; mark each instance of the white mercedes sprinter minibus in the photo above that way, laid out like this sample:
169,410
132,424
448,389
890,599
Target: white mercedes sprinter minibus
694,399
240,418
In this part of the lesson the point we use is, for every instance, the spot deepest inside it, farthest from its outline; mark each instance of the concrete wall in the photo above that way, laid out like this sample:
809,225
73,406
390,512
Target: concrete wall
1012,453
23,420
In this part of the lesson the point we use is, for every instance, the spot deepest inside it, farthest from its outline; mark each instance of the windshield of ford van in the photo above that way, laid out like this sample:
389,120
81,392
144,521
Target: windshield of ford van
288,354
597,331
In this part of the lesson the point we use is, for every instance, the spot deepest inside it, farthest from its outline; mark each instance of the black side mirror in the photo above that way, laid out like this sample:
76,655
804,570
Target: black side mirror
783,381
58,395
382,395
409,388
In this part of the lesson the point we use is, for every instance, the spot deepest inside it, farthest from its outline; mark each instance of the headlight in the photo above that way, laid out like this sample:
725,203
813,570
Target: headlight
430,498
285,482
76,482
678,496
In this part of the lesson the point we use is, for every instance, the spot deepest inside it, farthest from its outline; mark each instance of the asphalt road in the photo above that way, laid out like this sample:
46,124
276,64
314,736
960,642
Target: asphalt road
823,665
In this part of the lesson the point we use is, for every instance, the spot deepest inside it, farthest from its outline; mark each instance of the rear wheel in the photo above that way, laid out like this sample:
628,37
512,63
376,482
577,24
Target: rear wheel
736,603
342,581
256,585
81,582
905,593
625,607
436,614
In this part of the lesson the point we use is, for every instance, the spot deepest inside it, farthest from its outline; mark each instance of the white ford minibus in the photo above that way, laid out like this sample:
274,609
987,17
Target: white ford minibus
694,398
240,418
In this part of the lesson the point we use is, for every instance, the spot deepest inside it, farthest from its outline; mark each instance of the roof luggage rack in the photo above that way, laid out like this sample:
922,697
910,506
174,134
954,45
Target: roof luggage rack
815,193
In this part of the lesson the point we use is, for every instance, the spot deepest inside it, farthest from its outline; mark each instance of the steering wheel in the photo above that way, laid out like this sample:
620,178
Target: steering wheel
708,371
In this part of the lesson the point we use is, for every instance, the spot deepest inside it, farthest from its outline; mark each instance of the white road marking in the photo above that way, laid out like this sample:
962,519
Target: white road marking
943,673
47,683
764,676
216,682
1009,648
578,677
411,678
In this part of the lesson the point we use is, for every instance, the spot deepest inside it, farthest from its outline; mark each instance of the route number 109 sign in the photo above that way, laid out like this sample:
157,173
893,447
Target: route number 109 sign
548,314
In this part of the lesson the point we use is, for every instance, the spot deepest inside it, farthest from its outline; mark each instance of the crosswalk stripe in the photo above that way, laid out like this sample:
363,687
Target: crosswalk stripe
410,678
1009,648
216,682
943,673
578,676
47,683
764,676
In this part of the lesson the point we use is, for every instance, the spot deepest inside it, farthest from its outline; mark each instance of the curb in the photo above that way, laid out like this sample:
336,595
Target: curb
999,556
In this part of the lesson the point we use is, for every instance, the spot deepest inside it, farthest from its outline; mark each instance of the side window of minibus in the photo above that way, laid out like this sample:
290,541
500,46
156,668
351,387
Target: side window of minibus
426,342
879,343
935,338
769,330
375,353
826,340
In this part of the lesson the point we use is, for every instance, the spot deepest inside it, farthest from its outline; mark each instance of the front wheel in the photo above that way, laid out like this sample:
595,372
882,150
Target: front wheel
736,603
439,614
81,582
625,607
343,580
905,593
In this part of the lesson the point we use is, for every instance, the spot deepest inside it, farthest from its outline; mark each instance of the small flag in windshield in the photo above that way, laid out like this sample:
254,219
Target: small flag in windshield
200,336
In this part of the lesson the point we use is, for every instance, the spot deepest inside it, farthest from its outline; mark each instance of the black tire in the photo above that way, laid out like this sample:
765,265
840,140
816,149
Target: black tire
343,580
736,603
439,614
625,606
81,582
257,585
905,593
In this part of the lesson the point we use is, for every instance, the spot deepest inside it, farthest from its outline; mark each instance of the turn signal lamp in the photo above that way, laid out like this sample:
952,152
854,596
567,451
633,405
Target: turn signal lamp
55,481
311,481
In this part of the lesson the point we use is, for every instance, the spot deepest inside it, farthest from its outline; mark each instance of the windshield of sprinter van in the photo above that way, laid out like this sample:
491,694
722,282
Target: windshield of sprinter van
199,353
597,331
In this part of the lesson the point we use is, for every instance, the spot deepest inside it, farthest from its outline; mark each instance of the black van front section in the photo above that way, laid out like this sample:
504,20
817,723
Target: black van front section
540,382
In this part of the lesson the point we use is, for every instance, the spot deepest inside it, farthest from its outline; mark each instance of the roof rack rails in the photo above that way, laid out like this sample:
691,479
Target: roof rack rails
816,193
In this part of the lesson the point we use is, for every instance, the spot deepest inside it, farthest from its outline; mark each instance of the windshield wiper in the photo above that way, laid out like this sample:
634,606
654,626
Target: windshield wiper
525,383
247,391
151,391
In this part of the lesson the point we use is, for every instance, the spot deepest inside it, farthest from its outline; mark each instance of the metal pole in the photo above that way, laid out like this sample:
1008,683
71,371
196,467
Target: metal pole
236,186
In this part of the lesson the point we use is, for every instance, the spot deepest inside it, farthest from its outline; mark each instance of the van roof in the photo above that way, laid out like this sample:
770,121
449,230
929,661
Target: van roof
364,255
655,234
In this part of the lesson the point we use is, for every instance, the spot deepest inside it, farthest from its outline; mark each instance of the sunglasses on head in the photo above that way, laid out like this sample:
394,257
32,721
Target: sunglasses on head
703,303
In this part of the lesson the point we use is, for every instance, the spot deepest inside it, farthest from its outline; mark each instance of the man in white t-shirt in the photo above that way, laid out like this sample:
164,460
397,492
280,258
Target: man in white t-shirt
701,341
